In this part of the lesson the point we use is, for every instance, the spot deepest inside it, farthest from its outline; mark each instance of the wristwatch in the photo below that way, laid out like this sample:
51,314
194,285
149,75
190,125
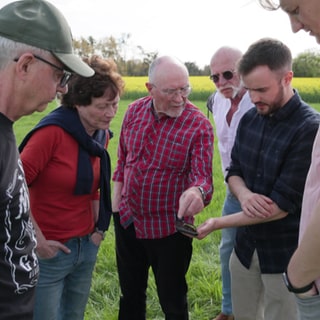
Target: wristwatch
293,289
203,194
100,232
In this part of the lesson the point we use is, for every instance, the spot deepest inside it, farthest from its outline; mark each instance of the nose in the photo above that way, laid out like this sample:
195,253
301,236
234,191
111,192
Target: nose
254,96
111,112
296,24
178,96
221,81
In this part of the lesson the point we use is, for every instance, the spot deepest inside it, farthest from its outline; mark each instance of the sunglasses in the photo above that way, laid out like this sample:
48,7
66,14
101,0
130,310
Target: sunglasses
227,75
186,228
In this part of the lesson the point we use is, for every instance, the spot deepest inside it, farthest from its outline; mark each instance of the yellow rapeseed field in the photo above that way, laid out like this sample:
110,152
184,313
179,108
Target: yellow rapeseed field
202,87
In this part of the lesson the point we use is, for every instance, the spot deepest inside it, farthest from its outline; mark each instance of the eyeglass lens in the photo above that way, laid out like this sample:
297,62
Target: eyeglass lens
65,76
65,79
184,92
227,75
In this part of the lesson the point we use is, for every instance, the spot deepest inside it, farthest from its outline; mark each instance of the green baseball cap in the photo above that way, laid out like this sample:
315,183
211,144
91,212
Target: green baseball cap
40,24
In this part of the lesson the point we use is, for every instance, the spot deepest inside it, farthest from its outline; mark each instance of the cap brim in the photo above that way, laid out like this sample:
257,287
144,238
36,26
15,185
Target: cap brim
74,64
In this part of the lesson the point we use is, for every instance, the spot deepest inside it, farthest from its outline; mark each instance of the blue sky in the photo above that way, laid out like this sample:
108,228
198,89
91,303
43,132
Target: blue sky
189,30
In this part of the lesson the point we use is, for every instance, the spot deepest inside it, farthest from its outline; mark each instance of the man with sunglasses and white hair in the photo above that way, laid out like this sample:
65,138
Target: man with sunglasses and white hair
36,62
228,104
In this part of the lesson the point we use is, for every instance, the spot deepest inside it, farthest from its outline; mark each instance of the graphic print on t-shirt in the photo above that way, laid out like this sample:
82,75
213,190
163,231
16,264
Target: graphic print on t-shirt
19,244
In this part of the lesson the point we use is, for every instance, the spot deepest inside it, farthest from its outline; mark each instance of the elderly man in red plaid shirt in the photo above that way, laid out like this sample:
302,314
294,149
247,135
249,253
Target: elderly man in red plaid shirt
164,170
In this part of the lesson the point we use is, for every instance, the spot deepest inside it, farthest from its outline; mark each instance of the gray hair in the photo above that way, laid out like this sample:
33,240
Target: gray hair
9,50
269,4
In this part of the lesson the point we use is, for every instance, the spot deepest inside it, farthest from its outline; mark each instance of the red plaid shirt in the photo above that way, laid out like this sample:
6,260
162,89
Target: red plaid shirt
158,159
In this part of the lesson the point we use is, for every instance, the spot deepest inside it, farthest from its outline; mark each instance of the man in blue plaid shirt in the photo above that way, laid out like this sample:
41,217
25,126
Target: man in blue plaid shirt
269,164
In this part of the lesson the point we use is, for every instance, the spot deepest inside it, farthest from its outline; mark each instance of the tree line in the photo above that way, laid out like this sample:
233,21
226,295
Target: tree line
133,60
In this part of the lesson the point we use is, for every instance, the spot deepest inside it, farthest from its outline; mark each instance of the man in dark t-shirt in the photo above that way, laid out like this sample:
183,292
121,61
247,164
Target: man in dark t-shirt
33,66
18,262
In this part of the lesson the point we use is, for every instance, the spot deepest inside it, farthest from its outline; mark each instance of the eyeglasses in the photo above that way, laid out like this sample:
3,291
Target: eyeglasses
65,76
184,92
227,75
186,228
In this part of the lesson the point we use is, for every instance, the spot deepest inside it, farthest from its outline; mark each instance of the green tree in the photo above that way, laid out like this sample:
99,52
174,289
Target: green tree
84,47
307,64
193,69
131,60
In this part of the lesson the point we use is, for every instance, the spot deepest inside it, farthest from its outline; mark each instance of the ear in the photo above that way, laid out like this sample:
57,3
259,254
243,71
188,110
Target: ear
288,78
149,86
24,63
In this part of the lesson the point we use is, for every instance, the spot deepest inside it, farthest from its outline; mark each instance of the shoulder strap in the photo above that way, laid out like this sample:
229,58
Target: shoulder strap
210,102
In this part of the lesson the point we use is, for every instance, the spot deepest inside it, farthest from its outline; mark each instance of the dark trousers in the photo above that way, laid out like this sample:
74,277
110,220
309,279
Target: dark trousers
169,259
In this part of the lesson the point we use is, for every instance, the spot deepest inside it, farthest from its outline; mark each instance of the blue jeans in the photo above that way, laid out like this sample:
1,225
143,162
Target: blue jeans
231,205
64,283
309,308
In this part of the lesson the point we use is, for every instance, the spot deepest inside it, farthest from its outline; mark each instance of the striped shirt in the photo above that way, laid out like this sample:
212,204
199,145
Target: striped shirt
158,159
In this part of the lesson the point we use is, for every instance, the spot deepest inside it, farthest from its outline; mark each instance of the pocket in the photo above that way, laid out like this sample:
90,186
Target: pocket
55,256
93,243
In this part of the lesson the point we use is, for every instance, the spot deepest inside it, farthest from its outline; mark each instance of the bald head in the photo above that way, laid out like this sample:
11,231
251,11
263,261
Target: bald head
166,67
227,56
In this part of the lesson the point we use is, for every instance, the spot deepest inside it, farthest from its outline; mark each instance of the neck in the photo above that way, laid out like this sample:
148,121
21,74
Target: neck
10,101
236,99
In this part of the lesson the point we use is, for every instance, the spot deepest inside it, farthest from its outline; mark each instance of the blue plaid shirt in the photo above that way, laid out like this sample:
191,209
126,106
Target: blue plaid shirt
272,155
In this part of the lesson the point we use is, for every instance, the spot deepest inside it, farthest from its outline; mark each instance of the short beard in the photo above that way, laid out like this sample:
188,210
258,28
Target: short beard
173,113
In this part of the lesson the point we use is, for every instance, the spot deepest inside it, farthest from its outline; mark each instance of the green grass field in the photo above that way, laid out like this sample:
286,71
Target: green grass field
204,273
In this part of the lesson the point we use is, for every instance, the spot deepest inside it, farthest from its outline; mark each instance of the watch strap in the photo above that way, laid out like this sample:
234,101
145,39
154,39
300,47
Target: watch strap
293,289
203,194
100,232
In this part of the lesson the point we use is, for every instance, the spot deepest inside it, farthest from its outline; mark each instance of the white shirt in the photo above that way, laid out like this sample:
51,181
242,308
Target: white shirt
226,134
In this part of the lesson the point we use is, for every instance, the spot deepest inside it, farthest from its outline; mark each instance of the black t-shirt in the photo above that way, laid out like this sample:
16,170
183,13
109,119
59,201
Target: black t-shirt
18,262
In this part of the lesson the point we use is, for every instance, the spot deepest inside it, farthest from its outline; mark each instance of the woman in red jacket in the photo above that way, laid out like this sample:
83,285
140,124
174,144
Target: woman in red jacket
67,170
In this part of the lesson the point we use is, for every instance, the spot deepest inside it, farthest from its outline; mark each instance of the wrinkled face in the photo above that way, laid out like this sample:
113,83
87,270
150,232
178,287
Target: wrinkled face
40,81
304,15
224,76
266,89
99,113
169,90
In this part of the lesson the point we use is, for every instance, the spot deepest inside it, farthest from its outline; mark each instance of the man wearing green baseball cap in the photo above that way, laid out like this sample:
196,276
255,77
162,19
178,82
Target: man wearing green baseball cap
36,62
